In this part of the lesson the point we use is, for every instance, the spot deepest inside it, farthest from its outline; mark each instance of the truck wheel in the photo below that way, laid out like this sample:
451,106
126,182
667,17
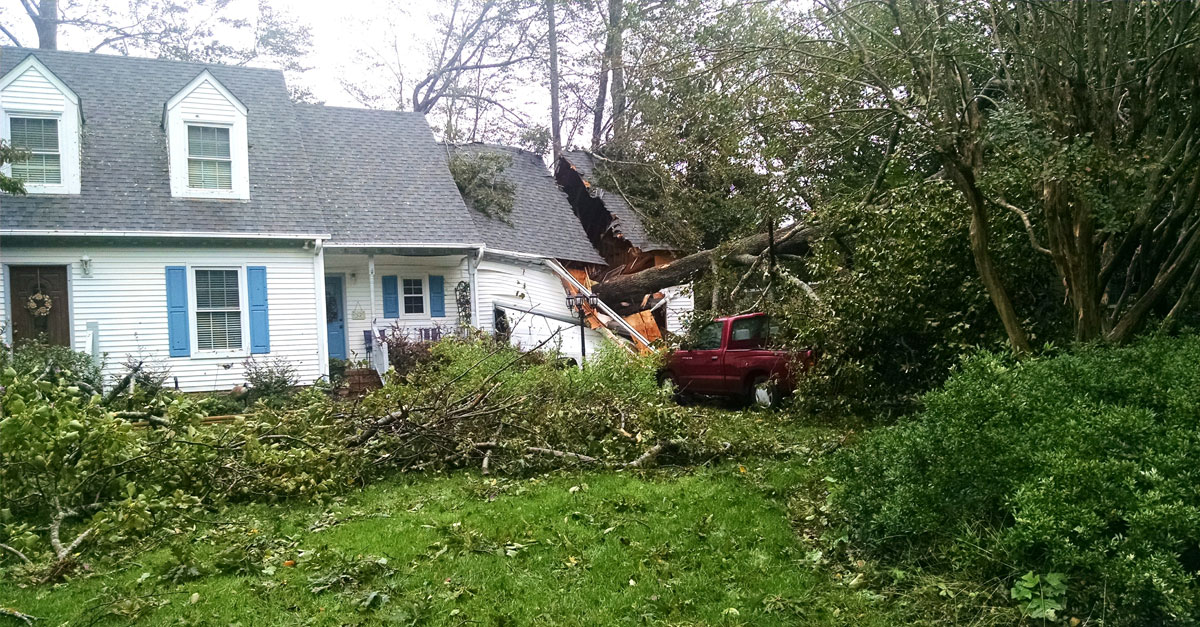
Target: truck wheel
763,392
667,383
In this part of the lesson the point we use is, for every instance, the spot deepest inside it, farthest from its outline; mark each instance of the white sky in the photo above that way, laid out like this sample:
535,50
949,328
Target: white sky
340,29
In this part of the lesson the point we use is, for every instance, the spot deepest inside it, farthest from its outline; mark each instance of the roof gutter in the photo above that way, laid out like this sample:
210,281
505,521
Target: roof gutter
452,246
167,234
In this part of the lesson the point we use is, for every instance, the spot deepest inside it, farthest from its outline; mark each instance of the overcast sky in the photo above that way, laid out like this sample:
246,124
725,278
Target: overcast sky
340,30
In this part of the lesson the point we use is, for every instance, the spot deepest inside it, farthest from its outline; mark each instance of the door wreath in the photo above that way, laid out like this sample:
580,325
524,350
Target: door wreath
39,304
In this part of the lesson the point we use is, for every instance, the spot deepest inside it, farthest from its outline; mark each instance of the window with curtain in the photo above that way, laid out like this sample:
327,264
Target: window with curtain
209,163
414,296
218,310
40,137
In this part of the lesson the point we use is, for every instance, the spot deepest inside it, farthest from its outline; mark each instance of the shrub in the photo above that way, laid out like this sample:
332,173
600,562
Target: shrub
271,381
404,352
1082,464
36,357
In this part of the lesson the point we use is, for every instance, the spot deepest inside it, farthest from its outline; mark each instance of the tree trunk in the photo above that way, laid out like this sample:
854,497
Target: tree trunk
602,92
46,24
980,238
616,19
1071,240
555,117
628,288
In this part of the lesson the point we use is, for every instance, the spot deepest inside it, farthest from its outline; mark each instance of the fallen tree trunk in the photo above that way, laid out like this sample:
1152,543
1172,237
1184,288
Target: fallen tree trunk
622,290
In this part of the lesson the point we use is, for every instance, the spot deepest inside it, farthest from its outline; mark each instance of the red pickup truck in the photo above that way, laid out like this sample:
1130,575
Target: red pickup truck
731,357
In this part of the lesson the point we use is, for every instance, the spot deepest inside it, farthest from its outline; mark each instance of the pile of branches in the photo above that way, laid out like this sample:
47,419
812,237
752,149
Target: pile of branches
489,423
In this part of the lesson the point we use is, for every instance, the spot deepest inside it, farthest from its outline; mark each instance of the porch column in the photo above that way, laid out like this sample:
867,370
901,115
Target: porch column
371,278
472,274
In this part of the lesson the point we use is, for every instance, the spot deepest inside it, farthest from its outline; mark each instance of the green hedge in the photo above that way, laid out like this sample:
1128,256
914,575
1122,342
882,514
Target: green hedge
1086,464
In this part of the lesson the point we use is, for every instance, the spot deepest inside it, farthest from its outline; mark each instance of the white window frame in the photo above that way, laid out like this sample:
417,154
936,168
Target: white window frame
39,188
18,105
243,309
187,133
180,113
424,280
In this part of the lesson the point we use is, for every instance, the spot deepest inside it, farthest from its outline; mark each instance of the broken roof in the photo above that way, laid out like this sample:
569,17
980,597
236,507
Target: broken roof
542,221
627,221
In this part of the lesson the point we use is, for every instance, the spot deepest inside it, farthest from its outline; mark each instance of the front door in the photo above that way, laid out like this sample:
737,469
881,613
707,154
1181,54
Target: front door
40,306
335,317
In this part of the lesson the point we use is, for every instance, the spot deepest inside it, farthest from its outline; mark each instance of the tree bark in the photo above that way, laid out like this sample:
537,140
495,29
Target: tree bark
46,23
628,288
1071,240
616,19
980,238
602,91
555,116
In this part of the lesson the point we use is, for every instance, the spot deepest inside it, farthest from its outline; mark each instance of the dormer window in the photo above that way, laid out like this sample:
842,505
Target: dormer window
207,141
209,162
40,114
39,136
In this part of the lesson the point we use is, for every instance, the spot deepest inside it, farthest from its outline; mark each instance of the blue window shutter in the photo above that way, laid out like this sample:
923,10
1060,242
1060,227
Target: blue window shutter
260,325
179,338
391,298
437,296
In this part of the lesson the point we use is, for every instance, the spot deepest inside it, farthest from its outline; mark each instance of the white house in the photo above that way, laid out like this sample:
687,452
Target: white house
193,216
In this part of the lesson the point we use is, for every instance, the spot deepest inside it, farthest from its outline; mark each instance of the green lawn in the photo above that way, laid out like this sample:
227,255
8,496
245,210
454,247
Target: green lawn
710,546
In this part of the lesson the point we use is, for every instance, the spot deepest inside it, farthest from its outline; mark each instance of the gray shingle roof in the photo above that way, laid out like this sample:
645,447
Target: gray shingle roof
629,223
382,178
542,221
124,152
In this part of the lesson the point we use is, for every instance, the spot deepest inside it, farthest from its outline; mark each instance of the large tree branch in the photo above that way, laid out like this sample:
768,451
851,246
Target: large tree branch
627,288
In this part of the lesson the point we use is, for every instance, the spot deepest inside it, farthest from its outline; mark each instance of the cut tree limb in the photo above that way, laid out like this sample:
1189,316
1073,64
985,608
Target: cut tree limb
627,288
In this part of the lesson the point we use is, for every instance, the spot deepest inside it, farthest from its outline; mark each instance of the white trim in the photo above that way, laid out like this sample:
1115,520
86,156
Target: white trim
407,245
322,324
243,311
424,280
171,234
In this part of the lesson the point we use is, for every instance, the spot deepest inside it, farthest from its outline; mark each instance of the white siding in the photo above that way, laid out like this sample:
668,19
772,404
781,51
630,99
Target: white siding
126,298
680,306
356,278
207,103
32,91
531,287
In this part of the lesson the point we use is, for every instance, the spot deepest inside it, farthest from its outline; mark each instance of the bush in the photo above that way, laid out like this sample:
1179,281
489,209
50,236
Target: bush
1083,464
404,352
271,381
36,357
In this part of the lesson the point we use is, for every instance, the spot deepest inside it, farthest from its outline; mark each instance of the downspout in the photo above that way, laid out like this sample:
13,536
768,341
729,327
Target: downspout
472,279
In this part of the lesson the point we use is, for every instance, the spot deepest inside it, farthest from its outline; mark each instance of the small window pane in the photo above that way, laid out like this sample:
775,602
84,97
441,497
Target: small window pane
206,174
208,142
414,299
39,169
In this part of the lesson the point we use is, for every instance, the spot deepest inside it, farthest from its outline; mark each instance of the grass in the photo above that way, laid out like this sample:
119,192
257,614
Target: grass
710,546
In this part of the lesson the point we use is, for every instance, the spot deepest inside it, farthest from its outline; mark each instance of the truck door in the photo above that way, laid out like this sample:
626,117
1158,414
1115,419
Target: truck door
744,351
699,364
